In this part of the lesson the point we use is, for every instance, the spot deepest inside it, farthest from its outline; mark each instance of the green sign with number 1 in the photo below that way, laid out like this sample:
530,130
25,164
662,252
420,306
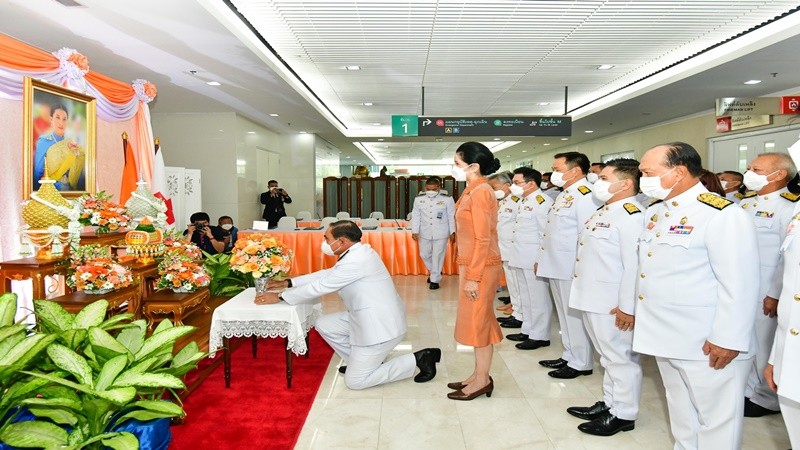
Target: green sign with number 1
405,126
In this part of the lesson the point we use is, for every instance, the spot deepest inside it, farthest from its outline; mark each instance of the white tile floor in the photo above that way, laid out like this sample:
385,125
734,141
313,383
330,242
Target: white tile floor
526,410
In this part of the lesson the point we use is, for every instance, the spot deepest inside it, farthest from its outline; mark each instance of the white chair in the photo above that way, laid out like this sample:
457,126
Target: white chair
304,215
327,221
370,224
287,223
260,225
376,215
342,215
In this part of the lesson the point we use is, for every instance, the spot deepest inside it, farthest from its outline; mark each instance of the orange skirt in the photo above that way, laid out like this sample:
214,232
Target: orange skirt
476,324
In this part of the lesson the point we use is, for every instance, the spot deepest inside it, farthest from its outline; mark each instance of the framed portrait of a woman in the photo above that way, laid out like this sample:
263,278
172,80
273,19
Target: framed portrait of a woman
59,138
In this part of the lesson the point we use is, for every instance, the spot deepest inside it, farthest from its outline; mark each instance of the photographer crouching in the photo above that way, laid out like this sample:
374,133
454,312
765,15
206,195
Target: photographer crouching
209,238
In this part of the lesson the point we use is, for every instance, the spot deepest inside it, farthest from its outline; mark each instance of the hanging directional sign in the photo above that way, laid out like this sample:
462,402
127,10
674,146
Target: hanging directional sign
495,126
404,126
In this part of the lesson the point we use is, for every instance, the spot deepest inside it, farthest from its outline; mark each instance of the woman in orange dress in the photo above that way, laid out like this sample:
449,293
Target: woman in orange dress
479,266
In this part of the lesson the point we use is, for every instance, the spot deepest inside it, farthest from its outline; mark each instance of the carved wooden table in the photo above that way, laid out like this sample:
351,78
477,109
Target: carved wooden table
28,268
75,301
145,275
179,305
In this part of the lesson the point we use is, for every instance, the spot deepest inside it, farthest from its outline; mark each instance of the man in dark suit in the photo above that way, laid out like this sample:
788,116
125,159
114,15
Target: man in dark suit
274,199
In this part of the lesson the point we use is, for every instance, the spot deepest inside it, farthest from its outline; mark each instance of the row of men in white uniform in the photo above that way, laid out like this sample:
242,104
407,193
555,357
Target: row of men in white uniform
693,279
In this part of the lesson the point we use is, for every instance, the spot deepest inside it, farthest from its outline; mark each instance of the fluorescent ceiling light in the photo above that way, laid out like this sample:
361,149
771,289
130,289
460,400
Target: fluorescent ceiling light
605,66
367,103
502,145
752,82
273,115
496,139
546,144
303,132
524,151
564,139
381,139
213,83
352,67
376,123
542,103
251,132
588,131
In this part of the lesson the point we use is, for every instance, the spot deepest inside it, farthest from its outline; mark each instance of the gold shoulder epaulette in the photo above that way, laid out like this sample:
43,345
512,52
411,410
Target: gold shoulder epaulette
584,189
749,194
515,198
738,195
654,202
631,208
540,199
791,197
714,200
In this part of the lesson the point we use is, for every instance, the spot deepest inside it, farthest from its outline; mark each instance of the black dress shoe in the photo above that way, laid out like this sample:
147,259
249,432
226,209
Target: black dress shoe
755,410
502,319
607,425
568,373
426,361
433,286
532,344
588,412
519,337
342,369
428,280
553,363
513,323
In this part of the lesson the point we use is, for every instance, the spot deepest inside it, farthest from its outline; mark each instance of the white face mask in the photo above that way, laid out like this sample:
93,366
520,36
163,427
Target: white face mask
499,194
545,185
754,181
724,185
227,226
516,190
651,186
431,194
557,178
592,177
602,190
458,173
326,248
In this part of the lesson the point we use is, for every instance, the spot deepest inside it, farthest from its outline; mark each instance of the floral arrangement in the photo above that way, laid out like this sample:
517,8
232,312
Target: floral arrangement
261,255
98,210
181,273
75,65
145,90
176,244
100,275
83,254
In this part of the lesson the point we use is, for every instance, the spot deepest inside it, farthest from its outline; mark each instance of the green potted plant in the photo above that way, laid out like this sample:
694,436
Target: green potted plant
83,376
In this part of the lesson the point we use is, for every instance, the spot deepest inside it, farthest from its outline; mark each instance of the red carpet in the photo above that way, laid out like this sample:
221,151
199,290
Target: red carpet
258,411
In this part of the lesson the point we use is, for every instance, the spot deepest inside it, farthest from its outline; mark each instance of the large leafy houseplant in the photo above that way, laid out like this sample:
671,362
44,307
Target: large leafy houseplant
82,376
224,281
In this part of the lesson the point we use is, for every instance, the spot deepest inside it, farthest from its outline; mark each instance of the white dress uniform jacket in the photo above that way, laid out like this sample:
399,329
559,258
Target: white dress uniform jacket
698,280
433,217
571,209
606,267
527,229
376,312
506,215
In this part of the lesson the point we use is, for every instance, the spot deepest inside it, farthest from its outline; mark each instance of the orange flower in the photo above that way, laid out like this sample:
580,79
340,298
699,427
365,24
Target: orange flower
250,267
79,60
276,260
251,249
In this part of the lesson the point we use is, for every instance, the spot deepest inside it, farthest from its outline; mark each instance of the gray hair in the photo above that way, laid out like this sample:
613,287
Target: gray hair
501,177
783,162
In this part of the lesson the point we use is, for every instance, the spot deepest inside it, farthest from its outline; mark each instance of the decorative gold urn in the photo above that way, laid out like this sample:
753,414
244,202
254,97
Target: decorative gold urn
47,223
145,242
40,216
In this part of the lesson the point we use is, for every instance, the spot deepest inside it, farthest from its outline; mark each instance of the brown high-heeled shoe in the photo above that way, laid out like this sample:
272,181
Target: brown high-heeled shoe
458,385
460,395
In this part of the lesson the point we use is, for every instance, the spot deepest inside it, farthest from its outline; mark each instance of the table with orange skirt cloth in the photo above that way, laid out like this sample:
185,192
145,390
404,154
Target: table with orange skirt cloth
389,223
396,248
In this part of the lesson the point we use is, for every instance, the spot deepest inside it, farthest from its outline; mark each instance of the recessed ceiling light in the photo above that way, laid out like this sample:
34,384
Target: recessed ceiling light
496,139
588,131
303,132
381,139
251,132
546,144
273,115
543,103
605,66
352,67
508,156
564,139
347,157
367,103
752,82
213,83
376,123
524,151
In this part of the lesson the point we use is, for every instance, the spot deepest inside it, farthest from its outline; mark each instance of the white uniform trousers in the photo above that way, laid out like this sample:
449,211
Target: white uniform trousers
622,381
705,405
757,389
578,351
514,292
790,410
537,305
365,364
432,252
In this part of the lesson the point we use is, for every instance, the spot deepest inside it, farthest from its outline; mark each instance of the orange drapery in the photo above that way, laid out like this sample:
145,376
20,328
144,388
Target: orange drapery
21,56
116,91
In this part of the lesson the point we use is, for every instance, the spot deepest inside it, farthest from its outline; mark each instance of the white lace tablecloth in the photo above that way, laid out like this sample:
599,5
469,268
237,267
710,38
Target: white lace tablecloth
239,317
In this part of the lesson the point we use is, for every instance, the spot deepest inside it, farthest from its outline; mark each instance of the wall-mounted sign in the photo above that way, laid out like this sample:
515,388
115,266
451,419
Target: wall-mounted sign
741,106
733,123
495,126
790,105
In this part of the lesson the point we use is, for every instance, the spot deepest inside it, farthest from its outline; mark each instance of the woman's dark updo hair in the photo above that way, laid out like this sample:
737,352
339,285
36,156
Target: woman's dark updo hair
477,153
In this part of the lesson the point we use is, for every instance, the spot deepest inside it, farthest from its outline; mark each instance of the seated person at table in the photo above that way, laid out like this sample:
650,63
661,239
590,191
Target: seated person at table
375,320
209,238
230,232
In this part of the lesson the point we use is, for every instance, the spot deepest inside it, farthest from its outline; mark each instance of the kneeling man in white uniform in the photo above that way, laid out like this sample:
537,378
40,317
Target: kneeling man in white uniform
375,320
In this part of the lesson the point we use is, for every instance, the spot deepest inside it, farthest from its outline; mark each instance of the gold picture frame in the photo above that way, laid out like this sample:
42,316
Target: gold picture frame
59,134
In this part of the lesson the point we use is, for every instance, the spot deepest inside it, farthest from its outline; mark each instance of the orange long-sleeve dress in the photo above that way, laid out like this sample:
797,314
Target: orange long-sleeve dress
478,260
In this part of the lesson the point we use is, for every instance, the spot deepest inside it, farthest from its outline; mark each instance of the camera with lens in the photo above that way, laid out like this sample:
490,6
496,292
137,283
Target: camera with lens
199,226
